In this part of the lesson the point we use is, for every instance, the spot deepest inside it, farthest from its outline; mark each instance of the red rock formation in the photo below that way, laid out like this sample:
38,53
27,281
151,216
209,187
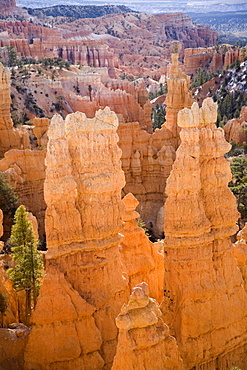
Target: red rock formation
25,171
27,30
179,95
9,137
205,303
213,59
235,129
93,53
232,54
83,220
195,58
141,259
144,341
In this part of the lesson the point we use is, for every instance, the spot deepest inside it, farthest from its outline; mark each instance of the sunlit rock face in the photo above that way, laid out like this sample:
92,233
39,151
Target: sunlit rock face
144,341
83,219
205,301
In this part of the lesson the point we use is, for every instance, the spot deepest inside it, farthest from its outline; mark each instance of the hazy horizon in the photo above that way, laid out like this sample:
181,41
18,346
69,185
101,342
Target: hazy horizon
155,6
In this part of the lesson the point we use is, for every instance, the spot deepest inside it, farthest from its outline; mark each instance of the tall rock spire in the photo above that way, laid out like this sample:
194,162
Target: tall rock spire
83,219
178,96
205,303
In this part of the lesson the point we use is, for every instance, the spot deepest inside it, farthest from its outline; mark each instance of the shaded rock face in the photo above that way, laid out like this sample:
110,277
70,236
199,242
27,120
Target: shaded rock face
25,171
146,161
203,286
12,344
83,220
235,129
144,341
141,259
9,137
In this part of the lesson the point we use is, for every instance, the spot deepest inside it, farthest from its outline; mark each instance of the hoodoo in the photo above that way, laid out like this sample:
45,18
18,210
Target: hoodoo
83,220
205,301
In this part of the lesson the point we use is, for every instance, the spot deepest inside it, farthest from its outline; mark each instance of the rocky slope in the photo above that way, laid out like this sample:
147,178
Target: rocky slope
140,41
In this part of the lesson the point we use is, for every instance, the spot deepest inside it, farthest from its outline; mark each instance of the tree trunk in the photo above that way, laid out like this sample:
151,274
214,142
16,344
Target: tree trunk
28,306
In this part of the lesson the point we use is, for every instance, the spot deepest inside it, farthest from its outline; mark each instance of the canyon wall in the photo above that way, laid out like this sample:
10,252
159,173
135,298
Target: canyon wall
213,59
85,52
205,301
83,220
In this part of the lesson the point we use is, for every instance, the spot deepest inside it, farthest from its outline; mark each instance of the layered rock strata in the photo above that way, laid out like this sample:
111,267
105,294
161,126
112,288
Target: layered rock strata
205,302
83,219
9,137
49,44
142,261
144,341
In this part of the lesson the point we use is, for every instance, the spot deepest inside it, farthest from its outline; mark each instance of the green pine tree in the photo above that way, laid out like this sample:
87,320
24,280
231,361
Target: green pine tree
28,269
